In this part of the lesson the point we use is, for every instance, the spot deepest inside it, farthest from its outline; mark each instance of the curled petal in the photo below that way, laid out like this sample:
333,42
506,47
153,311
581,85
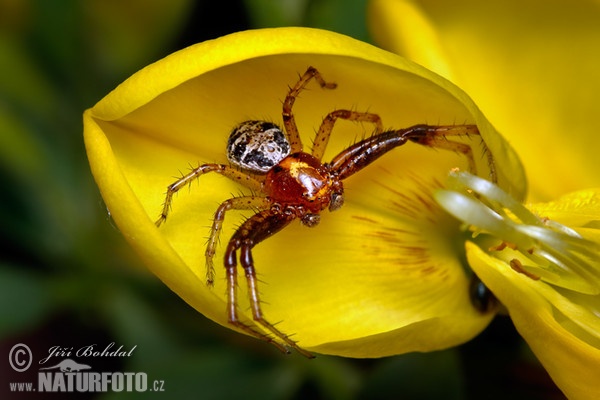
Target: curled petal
367,281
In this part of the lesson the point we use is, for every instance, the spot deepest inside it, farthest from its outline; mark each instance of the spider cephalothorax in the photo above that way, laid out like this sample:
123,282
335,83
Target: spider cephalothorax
290,184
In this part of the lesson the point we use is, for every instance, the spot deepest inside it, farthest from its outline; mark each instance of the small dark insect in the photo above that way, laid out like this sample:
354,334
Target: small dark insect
291,184
481,296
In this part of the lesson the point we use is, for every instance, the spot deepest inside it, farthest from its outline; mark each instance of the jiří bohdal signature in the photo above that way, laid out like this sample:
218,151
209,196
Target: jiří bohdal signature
91,350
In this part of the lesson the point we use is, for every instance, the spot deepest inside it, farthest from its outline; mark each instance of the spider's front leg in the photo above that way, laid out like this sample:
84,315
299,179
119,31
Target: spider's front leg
256,229
436,137
363,153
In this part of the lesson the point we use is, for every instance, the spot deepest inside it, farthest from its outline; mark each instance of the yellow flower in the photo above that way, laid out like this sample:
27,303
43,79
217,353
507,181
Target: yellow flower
531,66
384,274
516,60
546,273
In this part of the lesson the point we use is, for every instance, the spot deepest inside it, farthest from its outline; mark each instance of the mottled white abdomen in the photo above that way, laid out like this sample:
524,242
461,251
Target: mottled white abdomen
257,145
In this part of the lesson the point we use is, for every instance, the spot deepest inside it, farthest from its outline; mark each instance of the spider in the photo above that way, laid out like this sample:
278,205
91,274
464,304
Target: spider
289,183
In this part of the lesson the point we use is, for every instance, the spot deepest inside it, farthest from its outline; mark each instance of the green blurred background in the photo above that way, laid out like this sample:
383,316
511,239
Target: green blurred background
68,279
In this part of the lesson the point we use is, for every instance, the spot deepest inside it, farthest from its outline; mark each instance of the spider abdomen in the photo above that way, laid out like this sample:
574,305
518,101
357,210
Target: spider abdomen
301,180
257,145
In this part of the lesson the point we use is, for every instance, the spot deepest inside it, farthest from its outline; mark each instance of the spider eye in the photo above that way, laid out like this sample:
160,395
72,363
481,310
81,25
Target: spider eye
337,201
311,220
257,145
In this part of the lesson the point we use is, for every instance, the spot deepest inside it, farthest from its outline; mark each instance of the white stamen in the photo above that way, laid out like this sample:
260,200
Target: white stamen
557,253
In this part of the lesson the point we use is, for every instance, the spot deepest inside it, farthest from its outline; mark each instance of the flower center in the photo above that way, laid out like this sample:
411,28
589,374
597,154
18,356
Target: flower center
539,248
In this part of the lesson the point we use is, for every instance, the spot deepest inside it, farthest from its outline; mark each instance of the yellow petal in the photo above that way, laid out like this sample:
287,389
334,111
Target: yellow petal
531,66
544,268
578,209
366,282
570,355
404,28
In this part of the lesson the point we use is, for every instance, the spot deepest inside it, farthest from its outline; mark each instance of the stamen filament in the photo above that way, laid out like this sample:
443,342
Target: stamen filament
560,256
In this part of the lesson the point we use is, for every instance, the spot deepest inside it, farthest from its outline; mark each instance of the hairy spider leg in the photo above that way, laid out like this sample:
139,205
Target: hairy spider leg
231,173
253,231
289,122
437,138
363,153
235,203
248,202
324,132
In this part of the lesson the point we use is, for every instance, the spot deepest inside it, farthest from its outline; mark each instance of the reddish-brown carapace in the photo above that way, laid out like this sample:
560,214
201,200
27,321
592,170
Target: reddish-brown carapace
288,184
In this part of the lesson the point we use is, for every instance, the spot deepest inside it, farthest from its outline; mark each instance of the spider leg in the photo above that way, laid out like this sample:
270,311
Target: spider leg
256,229
438,139
363,153
229,172
324,132
289,122
236,203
